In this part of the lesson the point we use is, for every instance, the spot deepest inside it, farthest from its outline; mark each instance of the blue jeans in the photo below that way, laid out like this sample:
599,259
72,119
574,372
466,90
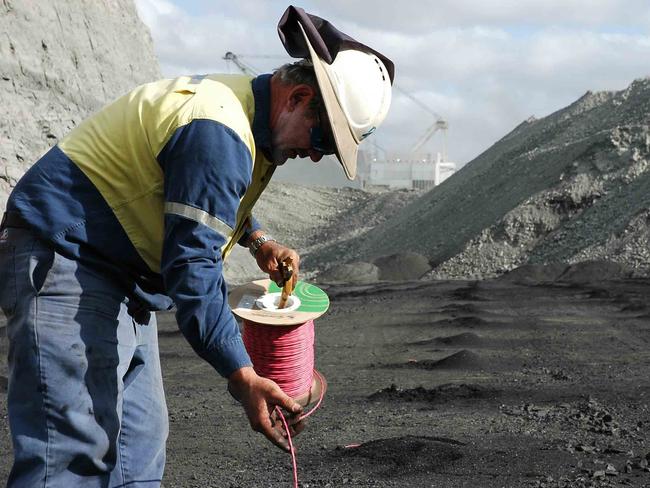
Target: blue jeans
85,399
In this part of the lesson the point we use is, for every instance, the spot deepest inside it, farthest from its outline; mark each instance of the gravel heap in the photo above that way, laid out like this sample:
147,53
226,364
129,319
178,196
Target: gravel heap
312,218
60,61
567,188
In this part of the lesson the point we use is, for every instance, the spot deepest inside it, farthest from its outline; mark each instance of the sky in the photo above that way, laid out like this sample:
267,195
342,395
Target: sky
484,66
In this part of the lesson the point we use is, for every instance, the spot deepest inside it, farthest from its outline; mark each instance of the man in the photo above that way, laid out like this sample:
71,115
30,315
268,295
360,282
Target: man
134,212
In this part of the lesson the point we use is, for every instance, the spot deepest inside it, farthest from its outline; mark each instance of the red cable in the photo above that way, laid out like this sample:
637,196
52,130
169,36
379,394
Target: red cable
292,449
285,354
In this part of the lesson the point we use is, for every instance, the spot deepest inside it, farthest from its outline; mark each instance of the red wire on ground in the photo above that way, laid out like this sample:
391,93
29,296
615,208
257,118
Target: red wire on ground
292,449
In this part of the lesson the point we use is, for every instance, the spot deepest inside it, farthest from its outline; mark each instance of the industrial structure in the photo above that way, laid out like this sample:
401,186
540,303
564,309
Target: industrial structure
396,173
417,169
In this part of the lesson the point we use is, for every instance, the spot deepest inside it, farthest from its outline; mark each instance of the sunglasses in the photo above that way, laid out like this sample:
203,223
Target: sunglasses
321,138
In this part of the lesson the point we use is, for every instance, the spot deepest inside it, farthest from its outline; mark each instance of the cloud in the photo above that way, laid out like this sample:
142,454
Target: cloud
475,74
483,65
187,43
424,15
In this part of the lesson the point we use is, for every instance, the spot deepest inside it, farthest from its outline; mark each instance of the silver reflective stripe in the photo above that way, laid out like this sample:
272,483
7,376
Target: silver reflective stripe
200,216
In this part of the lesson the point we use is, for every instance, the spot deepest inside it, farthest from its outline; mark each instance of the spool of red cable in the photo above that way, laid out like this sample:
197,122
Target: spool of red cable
283,354
281,341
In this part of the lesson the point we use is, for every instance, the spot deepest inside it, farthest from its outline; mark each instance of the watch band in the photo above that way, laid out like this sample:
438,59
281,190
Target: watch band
257,243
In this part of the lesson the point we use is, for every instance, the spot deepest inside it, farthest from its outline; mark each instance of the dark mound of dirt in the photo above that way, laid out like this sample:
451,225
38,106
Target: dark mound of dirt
342,290
4,383
469,293
402,267
446,392
359,272
464,360
533,274
169,332
462,309
600,293
460,360
634,307
408,455
594,272
469,322
464,339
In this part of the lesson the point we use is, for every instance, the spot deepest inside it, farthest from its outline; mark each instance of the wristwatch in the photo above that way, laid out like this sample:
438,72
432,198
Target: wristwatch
257,243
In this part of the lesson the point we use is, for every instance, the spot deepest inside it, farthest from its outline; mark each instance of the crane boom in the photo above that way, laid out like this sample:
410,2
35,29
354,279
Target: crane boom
440,124
245,68
437,125
418,102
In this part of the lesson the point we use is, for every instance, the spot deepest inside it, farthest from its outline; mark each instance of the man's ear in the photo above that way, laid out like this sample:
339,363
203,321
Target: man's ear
300,95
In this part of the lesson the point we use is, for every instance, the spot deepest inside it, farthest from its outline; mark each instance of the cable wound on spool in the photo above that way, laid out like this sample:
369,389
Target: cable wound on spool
283,354
281,342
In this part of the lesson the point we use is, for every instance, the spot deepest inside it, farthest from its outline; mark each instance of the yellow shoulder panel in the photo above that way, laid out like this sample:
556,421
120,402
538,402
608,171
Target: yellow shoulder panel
117,147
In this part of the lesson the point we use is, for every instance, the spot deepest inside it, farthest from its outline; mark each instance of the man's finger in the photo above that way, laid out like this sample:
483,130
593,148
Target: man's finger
285,402
295,419
276,276
296,428
276,437
299,426
274,434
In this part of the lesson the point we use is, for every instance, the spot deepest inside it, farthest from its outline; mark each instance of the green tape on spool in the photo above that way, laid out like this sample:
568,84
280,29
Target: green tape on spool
312,298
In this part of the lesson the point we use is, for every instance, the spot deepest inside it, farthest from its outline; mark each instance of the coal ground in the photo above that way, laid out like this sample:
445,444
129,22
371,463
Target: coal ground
497,383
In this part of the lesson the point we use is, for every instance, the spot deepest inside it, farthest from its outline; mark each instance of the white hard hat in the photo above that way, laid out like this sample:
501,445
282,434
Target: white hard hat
356,91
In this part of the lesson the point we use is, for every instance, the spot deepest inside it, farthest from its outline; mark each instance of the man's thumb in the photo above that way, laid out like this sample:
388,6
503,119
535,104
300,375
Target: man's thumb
289,404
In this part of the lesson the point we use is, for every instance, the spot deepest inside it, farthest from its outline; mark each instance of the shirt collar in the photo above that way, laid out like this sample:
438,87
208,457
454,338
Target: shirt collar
261,127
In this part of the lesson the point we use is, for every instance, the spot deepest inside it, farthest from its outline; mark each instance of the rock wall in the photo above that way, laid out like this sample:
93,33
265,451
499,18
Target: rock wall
61,60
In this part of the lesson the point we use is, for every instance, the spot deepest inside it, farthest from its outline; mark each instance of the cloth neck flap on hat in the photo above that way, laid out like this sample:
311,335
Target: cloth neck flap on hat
326,39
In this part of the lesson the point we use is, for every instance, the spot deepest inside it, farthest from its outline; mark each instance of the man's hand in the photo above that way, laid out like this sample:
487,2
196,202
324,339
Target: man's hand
259,397
271,254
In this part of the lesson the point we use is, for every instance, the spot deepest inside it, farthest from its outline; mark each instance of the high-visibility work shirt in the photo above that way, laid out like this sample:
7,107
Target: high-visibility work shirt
154,190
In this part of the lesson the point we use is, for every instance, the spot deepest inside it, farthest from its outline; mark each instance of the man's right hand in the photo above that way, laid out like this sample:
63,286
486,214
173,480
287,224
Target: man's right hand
259,396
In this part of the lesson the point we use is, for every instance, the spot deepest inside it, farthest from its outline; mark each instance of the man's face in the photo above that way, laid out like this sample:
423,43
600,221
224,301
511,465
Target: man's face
291,135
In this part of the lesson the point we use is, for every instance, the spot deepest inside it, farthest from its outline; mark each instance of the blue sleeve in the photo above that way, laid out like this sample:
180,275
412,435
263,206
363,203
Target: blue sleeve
253,225
207,169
